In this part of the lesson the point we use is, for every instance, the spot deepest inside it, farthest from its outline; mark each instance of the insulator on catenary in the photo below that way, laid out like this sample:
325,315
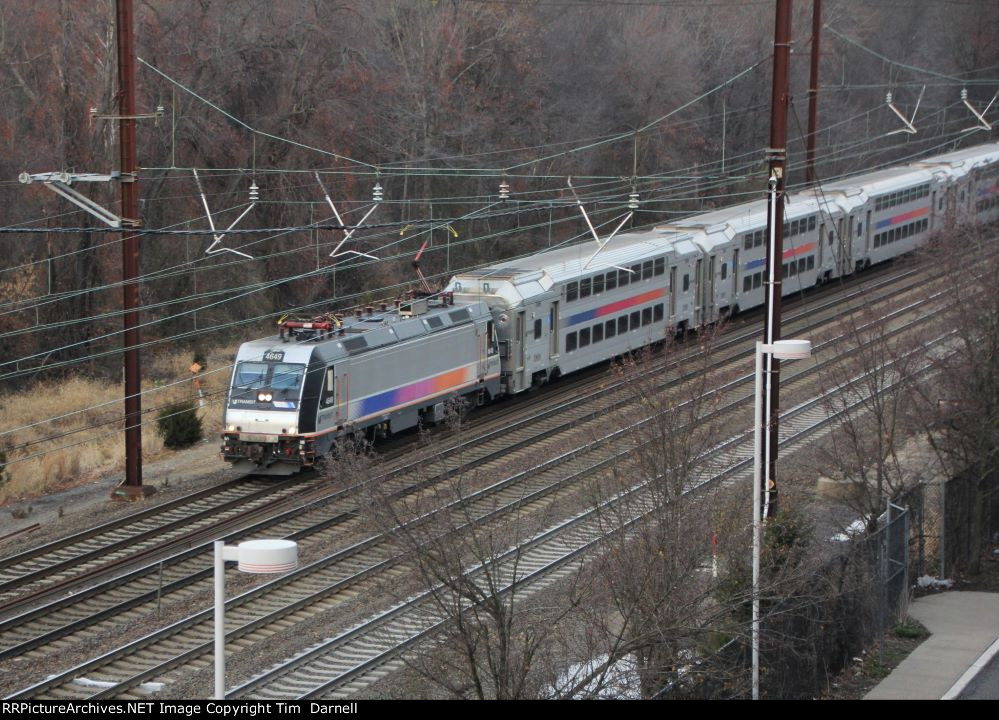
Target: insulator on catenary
376,195
254,192
504,190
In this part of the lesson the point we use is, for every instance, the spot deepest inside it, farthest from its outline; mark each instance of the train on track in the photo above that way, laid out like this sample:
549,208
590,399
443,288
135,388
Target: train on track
506,328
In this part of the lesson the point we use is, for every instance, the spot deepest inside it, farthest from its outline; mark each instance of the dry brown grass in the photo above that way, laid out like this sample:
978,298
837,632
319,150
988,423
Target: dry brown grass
59,453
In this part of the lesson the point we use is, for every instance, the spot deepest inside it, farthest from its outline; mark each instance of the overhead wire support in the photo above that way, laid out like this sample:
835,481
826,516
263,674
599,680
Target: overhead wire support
61,182
213,249
980,116
909,128
601,244
376,198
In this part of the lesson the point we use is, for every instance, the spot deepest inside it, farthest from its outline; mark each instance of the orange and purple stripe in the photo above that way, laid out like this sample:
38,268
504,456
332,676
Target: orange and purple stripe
793,252
904,217
408,394
614,307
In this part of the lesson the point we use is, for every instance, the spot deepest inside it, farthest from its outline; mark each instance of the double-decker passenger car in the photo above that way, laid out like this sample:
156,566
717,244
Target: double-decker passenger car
511,326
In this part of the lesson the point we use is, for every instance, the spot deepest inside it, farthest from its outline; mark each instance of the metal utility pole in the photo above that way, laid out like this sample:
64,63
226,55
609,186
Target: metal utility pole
775,248
133,488
813,91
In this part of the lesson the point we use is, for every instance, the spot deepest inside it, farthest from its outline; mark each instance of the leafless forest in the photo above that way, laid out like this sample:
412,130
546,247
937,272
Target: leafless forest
439,102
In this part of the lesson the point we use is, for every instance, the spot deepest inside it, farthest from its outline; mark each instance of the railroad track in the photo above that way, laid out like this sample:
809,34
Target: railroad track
346,663
138,594
123,673
58,566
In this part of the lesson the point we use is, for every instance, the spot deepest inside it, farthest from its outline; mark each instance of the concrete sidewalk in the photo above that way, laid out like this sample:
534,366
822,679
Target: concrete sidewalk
964,625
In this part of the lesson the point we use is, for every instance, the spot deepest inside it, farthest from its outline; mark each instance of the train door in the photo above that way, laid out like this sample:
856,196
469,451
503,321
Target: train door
822,245
331,396
553,329
845,247
709,292
672,293
520,350
867,235
698,269
735,274
483,338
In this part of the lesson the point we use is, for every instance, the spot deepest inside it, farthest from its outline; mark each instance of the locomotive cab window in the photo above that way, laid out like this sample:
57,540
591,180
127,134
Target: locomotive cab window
287,377
329,389
537,329
251,375
686,282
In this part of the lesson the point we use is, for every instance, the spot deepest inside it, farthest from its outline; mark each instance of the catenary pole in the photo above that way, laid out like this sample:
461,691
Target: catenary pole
133,487
780,99
813,91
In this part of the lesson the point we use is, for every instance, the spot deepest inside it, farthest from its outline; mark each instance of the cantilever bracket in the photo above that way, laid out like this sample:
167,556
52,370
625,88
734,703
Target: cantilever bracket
601,244
213,249
909,128
336,251
980,116
59,183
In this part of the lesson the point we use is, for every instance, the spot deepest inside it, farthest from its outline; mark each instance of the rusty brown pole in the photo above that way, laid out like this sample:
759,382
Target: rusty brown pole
780,99
133,488
813,91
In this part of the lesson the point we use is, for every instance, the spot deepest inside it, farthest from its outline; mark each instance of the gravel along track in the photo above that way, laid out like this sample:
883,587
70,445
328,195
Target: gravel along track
345,664
59,564
57,627
124,667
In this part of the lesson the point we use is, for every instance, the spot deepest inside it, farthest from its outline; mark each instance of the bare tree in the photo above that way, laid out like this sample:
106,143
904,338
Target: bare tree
464,546
868,391
959,406
658,567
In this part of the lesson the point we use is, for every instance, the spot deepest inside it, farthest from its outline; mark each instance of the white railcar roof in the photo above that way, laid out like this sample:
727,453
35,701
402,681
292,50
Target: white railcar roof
880,182
567,263
961,162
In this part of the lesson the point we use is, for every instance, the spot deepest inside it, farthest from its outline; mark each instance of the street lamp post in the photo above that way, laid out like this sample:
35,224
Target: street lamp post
780,350
253,556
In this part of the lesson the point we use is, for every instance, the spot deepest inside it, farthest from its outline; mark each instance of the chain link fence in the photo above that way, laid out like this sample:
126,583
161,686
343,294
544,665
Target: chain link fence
943,523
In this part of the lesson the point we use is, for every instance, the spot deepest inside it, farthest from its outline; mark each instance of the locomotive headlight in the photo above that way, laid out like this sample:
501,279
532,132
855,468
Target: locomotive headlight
293,430
264,397
230,428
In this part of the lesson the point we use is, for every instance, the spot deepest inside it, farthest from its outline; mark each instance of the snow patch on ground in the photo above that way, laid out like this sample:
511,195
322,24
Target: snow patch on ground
619,681
927,581
857,527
